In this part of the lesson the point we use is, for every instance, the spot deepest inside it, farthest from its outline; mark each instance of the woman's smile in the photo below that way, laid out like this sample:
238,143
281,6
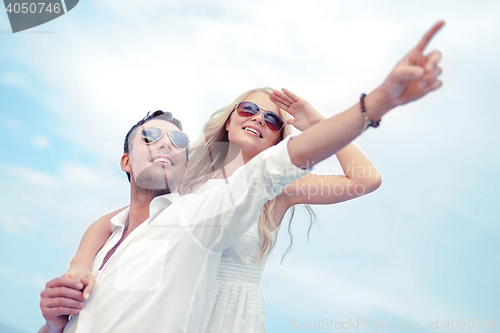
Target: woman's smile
253,131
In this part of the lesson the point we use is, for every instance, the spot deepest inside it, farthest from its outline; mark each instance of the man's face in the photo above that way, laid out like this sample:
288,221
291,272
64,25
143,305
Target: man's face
157,166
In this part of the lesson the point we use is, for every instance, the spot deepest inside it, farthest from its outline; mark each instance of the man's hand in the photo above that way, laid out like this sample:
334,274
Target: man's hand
415,75
60,298
304,115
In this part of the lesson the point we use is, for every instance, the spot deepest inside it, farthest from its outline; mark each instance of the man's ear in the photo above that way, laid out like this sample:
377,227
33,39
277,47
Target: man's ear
125,163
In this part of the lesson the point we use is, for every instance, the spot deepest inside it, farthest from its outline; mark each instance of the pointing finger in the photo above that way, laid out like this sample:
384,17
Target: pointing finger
428,36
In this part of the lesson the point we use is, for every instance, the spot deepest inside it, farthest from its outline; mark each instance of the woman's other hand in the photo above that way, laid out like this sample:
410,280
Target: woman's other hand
83,274
304,115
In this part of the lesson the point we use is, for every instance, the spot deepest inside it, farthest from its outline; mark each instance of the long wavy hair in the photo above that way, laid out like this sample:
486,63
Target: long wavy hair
206,158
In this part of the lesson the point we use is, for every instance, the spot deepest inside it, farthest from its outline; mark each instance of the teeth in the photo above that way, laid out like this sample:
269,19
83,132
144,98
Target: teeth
162,159
252,130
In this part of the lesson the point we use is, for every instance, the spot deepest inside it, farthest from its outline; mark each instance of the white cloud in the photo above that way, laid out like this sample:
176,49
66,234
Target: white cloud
312,289
22,277
336,292
32,176
60,207
13,124
40,141
16,79
91,178
18,224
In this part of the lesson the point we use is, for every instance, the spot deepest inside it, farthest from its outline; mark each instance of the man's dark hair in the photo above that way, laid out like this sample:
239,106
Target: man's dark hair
162,115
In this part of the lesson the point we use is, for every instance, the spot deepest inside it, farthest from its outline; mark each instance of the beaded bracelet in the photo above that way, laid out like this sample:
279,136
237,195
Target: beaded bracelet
368,122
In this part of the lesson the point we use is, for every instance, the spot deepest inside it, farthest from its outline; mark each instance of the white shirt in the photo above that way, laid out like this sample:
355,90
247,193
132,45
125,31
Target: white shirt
161,278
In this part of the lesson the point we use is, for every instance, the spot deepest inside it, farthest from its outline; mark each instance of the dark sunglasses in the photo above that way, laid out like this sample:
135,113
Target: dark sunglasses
150,135
271,119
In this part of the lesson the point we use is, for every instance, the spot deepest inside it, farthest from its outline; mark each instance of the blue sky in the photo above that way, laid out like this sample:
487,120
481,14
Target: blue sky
423,246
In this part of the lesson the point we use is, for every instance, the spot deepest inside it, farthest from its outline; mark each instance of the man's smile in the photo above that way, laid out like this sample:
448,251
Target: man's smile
167,159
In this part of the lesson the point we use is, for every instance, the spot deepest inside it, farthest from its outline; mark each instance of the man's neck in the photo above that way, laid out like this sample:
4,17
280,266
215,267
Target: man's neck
140,199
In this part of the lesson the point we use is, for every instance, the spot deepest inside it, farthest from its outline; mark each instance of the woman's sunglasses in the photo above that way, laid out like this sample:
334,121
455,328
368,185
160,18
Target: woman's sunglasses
150,135
271,119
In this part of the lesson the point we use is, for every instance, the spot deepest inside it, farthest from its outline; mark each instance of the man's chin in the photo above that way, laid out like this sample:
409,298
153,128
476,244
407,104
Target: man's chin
149,183
153,179
152,186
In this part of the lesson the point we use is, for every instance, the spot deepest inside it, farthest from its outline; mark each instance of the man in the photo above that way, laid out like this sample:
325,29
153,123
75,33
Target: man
157,270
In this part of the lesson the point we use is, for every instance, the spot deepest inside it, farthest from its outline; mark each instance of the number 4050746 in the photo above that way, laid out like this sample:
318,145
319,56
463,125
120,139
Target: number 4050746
33,8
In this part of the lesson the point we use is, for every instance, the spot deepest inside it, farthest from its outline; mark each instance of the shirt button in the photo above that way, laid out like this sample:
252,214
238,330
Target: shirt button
85,315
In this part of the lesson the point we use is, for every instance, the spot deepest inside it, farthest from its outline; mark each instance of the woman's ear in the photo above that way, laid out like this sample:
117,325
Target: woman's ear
228,121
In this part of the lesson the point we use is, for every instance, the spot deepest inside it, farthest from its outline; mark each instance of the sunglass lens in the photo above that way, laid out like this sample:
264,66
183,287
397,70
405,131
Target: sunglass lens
273,121
180,139
247,109
151,134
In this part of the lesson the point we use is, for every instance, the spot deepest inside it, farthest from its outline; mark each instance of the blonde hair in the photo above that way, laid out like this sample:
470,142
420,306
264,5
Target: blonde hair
208,153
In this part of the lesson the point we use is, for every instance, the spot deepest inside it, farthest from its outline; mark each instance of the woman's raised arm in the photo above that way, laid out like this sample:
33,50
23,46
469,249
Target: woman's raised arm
412,77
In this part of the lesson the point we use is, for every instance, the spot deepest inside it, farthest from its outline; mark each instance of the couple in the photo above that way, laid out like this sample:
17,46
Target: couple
176,263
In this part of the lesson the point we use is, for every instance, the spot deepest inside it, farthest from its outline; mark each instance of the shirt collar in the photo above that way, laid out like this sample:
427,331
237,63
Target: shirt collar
172,197
163,201
120,219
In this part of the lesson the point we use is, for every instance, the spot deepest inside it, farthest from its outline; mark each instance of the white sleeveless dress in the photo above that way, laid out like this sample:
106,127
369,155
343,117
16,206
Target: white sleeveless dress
238,303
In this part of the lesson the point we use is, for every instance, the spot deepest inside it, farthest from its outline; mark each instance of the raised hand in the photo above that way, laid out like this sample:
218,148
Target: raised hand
416,74
304,115
60,298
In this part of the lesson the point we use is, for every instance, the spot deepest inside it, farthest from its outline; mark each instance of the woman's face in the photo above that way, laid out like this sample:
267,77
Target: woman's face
241,128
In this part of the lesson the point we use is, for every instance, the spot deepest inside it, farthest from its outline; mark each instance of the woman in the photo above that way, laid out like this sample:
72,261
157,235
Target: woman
253,128
238,301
